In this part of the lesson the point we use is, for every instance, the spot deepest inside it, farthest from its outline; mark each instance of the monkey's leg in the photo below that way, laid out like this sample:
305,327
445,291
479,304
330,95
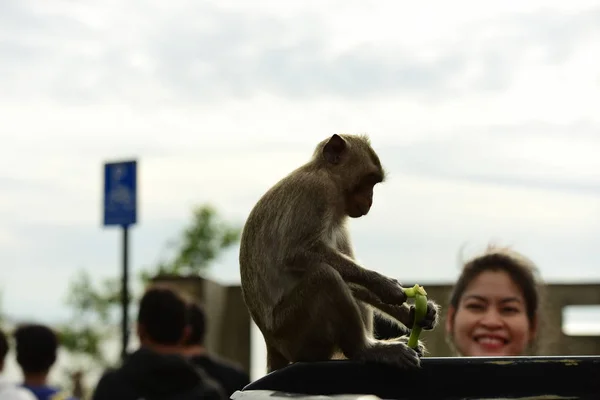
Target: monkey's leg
320,315
306,320
403,313
366,313
393,314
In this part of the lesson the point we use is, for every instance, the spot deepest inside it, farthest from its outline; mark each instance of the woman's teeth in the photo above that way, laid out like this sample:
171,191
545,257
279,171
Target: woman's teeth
490,340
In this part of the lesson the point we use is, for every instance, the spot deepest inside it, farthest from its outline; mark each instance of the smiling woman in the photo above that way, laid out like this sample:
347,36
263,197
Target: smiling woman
493,309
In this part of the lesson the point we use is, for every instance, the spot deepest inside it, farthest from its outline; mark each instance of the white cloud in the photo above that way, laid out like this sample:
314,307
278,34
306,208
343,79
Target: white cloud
485,116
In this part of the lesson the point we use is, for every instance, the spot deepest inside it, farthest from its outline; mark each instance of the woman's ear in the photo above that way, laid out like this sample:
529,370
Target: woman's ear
450,320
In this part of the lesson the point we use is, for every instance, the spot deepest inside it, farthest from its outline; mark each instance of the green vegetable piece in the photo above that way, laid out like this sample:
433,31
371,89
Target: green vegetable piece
420,296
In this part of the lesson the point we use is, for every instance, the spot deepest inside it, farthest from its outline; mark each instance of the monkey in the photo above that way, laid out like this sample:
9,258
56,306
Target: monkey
300,281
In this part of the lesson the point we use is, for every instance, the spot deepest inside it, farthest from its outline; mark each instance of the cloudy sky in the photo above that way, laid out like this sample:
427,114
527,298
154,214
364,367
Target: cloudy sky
485,114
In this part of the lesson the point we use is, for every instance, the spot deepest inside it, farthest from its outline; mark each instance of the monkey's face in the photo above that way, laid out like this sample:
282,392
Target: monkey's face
352,160
360,198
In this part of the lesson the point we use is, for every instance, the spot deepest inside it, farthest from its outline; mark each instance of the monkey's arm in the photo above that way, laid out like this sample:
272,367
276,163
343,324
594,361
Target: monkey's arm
387,290
400,313
403,313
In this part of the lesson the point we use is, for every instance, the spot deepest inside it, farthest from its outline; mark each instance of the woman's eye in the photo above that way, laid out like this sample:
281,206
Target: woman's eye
475,307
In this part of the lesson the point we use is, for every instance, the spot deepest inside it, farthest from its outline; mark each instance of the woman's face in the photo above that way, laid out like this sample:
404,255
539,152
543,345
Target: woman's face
491,318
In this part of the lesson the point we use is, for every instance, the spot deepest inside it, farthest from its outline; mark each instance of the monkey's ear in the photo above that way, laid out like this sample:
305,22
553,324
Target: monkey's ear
334,149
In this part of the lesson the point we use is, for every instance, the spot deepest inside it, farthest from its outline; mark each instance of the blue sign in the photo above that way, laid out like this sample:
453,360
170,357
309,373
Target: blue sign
120,193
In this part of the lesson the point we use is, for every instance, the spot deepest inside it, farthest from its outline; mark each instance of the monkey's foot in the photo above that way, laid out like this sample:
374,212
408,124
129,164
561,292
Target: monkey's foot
395,353
420,349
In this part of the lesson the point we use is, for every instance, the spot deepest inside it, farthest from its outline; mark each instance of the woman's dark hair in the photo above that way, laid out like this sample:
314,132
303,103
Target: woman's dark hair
521,270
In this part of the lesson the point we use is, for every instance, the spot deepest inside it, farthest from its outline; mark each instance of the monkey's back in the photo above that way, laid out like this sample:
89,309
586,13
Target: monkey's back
273,231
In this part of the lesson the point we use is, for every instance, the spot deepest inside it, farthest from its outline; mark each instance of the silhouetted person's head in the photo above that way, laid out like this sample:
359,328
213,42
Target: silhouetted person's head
3,349
162,319
37,346
197,323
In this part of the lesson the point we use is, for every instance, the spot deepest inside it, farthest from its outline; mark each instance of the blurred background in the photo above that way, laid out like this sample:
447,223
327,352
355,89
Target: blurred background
485,115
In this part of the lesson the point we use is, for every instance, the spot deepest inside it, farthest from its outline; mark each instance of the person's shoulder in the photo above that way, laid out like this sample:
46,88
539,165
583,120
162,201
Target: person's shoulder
224,367
205,390
233,367
109,385
220,361
15,392
110,375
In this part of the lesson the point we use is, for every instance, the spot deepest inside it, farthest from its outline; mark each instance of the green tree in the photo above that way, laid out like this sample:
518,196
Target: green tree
201,242
93,309
96,307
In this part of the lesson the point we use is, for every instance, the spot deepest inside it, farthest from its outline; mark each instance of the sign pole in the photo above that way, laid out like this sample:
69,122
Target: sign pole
120,209
125,293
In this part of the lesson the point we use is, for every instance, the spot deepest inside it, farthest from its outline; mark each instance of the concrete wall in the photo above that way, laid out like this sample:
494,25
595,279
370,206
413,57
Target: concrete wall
229,322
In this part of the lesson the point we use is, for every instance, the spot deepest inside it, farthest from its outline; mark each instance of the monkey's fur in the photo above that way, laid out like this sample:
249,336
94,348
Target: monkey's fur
300,282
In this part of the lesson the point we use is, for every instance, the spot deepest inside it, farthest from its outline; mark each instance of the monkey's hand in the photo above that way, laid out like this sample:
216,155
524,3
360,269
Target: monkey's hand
430,319
420,349
389,291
